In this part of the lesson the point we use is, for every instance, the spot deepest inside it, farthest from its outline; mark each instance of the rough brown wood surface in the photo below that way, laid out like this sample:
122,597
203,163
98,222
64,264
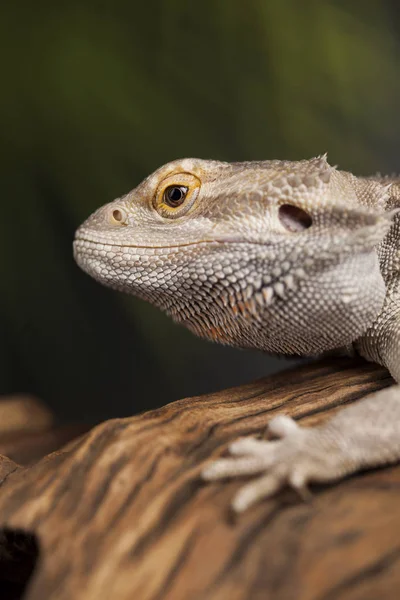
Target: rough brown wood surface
28,430
21,413
121,513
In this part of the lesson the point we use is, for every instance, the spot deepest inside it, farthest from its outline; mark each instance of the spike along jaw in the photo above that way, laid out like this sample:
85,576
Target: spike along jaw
273,255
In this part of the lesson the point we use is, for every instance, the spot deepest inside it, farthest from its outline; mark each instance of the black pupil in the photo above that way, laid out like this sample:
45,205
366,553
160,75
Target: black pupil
175,194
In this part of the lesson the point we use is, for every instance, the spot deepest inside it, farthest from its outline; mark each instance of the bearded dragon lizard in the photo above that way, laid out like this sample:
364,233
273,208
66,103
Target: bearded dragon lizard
287,257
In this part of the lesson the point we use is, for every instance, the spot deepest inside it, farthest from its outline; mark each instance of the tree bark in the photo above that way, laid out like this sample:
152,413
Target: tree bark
122,513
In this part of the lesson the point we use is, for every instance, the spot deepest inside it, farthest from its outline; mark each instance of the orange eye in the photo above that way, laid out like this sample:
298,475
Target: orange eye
176,195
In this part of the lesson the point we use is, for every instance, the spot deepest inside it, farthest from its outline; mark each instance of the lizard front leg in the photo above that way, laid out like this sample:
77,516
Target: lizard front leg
366,434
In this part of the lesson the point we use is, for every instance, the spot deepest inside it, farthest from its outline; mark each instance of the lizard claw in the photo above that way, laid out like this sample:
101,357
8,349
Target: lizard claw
298,457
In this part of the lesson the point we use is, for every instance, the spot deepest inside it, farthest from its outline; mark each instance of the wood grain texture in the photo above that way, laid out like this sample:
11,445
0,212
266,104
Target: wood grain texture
122,514
28,430
21,413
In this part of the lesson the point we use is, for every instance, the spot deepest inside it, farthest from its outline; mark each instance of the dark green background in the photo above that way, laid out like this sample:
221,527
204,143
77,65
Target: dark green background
94,96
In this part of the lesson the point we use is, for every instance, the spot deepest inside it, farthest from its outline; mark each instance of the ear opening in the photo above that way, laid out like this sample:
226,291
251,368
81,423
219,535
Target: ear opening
294,218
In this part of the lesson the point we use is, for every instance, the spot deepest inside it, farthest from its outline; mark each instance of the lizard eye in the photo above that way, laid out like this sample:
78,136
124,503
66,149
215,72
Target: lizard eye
176,195
293,218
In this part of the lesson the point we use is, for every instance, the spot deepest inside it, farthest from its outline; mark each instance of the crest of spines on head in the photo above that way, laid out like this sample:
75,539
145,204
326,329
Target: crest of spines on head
302,176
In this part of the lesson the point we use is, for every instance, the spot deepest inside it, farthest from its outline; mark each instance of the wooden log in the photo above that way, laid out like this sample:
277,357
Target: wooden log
28,430
122,513
21,413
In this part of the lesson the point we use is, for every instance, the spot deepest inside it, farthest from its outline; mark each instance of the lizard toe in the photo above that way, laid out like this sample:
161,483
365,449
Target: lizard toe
282,426
237,467
259,489
251,445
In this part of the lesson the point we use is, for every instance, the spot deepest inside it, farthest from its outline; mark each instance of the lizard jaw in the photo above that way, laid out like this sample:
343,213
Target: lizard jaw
214,292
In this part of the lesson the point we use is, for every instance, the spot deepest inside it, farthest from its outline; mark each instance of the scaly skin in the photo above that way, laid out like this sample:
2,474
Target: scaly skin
287,257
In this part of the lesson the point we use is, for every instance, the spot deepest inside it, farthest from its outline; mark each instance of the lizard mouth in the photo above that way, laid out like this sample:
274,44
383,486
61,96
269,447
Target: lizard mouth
82,241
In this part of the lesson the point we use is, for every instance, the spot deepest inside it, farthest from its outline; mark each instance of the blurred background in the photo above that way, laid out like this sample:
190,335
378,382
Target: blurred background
94,97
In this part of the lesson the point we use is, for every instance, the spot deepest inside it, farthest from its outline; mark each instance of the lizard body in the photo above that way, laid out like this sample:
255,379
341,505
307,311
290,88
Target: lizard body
287,257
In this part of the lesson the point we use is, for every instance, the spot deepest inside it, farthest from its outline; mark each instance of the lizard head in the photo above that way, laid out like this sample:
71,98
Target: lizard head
276,255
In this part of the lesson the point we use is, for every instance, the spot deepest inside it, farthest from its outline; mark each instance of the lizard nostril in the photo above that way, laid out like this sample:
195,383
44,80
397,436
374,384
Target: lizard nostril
117,216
